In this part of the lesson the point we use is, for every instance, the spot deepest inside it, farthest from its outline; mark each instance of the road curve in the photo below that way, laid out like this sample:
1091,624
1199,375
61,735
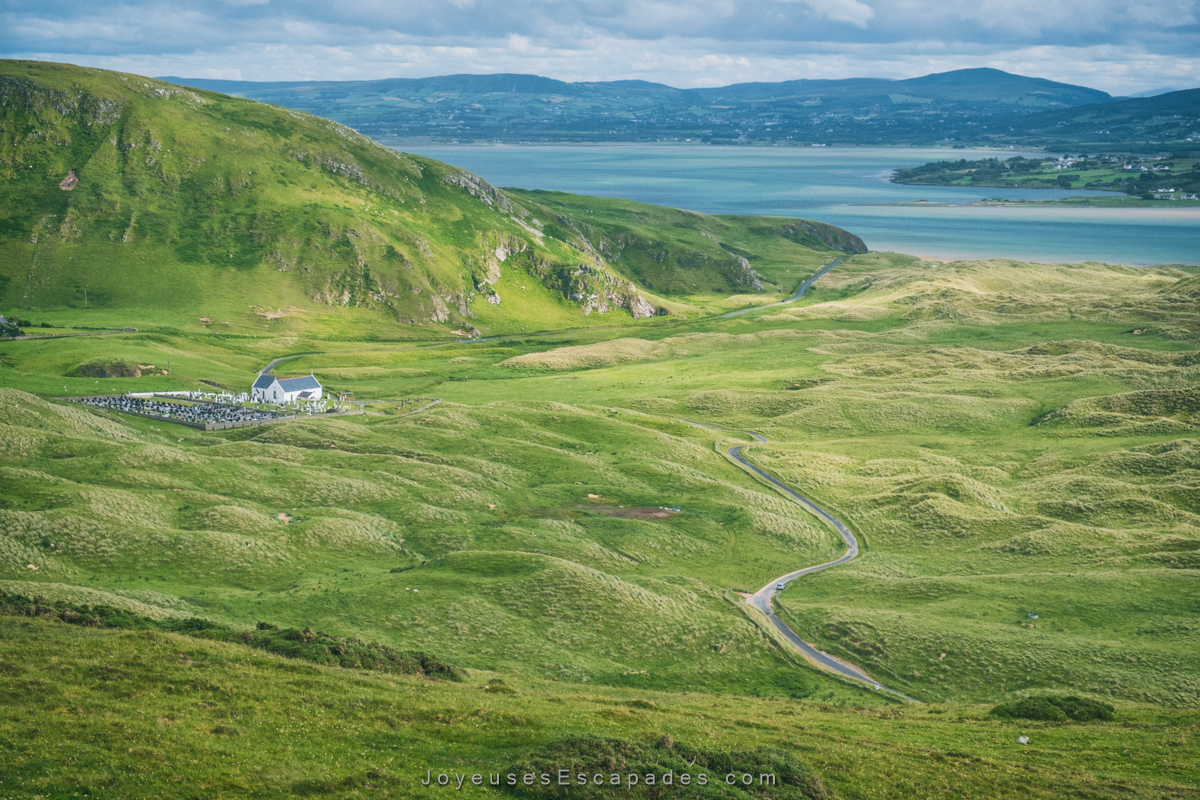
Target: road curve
762,598
267,369
804,287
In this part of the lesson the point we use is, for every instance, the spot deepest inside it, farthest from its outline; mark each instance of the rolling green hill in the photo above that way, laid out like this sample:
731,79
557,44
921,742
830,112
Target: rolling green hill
996,432
1006,439
149,205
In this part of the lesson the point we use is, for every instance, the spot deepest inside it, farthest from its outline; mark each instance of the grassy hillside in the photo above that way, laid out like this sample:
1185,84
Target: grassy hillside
459,532
997,432
129,202
126,714
1146,124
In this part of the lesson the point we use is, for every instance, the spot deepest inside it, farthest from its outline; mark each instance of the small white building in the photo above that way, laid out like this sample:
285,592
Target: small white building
269,389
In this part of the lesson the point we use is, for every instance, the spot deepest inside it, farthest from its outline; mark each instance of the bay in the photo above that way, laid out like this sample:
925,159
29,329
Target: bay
847,187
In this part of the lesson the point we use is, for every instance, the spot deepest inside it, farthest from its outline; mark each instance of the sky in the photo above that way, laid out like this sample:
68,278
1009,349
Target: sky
1114,45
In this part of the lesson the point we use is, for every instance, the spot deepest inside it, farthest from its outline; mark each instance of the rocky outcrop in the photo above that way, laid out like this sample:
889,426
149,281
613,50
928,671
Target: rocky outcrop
344,166
441,312
744,274
497,250
81,106
640,307
608,291
479,188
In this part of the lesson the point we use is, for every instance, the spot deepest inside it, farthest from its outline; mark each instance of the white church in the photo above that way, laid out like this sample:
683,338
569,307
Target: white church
269,389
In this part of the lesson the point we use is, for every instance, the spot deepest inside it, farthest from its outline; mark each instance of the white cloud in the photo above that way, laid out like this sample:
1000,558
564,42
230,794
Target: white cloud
683,63
851,11
1166,13
1121,46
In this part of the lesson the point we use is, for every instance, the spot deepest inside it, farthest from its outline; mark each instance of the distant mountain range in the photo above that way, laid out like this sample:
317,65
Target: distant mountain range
970,106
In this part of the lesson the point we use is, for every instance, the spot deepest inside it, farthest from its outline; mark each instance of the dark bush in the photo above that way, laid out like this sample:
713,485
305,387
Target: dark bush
319,647
497,686
103,368
1081,709
1038,708
1055,709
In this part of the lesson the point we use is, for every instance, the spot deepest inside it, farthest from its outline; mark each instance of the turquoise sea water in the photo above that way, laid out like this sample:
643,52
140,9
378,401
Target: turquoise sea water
845,187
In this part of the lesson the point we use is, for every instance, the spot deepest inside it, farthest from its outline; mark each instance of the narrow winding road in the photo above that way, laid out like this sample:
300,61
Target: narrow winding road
799,292
763,597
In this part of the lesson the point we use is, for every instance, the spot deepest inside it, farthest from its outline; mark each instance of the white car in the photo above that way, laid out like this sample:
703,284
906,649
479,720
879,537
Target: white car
779,587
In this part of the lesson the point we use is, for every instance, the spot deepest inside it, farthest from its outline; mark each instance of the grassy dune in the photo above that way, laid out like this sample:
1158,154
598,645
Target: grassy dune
1006,439
461,530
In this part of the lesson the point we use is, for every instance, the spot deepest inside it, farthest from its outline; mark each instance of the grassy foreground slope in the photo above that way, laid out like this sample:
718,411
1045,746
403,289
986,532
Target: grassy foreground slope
120,714
129,202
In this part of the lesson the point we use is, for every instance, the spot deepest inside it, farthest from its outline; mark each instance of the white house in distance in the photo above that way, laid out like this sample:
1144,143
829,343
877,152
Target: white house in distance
269,389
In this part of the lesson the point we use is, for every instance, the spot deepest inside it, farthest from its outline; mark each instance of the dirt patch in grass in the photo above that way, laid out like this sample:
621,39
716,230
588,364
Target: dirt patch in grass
644,512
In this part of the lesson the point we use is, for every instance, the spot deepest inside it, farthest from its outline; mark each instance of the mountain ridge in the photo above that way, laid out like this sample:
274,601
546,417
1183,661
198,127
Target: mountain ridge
510,82
977,104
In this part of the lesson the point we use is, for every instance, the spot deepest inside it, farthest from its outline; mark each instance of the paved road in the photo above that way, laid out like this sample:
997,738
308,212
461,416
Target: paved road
763,597
799,292
267,369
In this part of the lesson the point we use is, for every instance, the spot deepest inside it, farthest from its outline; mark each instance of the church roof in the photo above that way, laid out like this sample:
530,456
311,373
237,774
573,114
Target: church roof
299,384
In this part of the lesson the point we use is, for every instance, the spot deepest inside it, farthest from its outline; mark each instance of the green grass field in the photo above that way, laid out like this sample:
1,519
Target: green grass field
112,714
1006,440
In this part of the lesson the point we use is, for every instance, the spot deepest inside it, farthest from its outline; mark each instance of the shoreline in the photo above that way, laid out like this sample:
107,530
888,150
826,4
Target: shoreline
1064,202
755,145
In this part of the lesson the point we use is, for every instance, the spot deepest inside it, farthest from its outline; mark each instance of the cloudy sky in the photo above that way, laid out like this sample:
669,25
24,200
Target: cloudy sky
1119,46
